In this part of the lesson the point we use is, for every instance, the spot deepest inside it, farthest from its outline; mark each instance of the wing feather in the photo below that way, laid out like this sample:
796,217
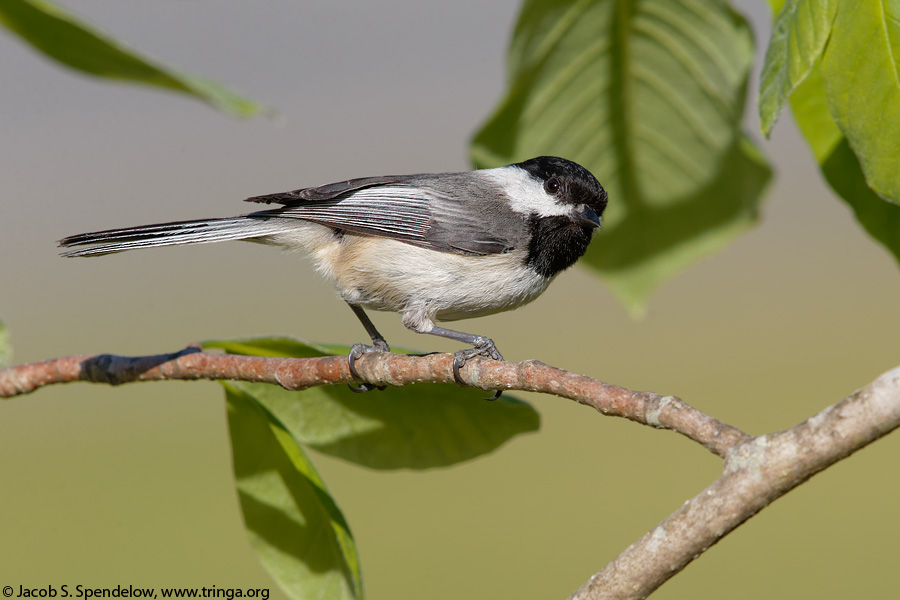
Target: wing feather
329,191
452,217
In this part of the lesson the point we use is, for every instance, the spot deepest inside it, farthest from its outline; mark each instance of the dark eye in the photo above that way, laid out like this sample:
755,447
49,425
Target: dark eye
552,185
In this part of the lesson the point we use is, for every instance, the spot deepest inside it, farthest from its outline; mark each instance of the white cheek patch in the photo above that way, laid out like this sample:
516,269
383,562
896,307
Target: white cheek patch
526,194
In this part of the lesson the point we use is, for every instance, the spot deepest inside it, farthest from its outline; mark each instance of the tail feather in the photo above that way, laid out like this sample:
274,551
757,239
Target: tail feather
202,231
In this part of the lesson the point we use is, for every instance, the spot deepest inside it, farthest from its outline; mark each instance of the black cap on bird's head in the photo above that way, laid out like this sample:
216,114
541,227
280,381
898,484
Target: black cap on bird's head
562,230
569,182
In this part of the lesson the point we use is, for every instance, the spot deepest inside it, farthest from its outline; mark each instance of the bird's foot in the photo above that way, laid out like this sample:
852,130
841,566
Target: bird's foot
356,351
483,347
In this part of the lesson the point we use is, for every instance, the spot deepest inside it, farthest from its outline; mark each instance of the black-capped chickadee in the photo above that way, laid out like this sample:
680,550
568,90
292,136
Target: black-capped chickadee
442,247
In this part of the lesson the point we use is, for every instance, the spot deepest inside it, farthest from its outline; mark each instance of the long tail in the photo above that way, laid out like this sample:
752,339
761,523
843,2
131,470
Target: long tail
202,231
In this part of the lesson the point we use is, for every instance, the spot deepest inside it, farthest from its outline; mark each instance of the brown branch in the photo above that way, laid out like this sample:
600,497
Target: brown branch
663,412
757,470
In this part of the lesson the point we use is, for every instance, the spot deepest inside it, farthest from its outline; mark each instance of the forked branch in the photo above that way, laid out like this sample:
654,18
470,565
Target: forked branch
757,470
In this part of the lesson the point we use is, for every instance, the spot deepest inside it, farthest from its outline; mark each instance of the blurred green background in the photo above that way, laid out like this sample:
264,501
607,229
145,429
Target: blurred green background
105,487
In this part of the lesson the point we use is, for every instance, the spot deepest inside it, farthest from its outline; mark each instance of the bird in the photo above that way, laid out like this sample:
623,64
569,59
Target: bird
430,246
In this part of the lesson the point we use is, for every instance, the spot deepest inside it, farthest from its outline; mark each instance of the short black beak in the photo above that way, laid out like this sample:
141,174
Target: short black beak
584,215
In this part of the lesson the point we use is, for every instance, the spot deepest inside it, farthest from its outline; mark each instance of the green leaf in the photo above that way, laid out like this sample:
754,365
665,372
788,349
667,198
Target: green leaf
293,523
5,346
62,37
862,84
649,97
776,6
799,35
413,427
879,218
810,108
646,248
840,165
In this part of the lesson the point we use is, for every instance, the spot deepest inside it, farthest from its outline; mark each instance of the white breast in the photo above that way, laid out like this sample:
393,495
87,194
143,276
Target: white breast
385,274
425,285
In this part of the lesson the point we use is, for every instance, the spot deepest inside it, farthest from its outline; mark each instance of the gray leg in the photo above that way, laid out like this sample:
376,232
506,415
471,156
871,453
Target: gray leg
377,339
378,345
483,347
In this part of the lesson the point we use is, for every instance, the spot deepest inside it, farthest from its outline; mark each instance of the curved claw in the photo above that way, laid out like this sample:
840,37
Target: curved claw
458,362
484,347
365,387
355,353
496,395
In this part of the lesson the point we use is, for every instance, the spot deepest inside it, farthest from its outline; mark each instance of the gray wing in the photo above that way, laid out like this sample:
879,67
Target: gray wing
448,213
329,191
